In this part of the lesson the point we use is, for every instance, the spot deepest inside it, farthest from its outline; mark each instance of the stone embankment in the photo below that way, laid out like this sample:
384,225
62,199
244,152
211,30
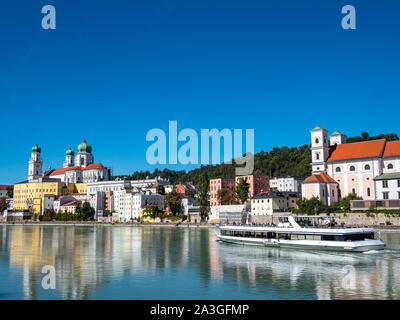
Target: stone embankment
381,220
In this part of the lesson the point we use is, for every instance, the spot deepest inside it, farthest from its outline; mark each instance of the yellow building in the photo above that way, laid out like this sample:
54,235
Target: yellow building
30,195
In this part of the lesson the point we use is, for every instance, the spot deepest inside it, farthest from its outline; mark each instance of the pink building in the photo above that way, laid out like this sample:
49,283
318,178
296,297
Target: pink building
217,184
353,166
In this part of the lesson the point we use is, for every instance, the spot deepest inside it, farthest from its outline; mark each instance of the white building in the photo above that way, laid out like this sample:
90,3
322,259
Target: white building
387,186
224,213
291,184
131,203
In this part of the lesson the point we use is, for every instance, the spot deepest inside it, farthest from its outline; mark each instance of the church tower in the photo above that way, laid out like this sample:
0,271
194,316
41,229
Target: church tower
319,149
337,138
84,156
35,164
69,158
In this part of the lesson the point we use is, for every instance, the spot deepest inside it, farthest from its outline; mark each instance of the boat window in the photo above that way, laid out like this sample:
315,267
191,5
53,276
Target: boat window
313,237
328,237
298,237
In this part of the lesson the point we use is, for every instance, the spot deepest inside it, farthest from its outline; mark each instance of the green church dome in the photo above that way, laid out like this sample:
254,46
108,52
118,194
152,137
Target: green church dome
69,152
36,148
84,147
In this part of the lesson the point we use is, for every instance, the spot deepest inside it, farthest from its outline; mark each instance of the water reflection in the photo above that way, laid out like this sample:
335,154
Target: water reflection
104,262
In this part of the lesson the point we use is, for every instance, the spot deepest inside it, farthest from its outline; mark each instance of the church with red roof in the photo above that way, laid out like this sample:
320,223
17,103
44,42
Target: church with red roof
79,168
340,168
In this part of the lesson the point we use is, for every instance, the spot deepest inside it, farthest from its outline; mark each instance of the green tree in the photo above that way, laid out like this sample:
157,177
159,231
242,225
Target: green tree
10,191
3,205
310,206
79,211
242,190
223,196
87,211
345,202
173,201
203,195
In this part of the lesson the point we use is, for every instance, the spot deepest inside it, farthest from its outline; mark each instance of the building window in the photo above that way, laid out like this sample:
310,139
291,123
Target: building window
367,167
316,141
338,169
352,168
398,183
390,166
368,192
398,193
317,156
353,190
384,184
385,195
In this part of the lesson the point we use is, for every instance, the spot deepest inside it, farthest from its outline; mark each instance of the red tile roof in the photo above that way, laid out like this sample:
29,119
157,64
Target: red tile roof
71,203
392,149
318,178
59,171
358,150
3,187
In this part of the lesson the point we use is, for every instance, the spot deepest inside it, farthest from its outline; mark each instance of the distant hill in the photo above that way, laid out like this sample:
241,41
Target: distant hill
278,162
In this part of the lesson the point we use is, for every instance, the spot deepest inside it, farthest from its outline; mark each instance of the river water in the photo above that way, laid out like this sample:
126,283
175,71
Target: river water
123,262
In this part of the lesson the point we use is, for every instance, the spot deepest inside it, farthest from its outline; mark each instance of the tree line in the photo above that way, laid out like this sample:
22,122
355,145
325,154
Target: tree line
278,162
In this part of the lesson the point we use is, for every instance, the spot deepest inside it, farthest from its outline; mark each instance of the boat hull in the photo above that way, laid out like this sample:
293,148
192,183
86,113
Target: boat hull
356,246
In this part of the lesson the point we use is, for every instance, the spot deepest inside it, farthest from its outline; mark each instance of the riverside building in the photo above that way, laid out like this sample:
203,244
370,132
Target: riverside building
340,168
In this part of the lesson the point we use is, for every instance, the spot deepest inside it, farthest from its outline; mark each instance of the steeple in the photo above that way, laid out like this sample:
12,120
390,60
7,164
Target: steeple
35,163
319,149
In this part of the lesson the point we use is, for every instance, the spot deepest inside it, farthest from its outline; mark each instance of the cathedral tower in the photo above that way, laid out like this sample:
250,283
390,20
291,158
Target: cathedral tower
84,156
69,158
35,164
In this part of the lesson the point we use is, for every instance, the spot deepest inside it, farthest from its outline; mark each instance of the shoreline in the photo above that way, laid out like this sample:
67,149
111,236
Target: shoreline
80,224
122,224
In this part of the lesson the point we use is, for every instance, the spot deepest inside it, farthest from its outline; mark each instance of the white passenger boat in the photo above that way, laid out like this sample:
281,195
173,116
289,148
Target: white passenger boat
305,232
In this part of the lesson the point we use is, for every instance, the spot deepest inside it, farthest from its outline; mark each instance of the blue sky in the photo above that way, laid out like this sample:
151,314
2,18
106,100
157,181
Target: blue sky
113,70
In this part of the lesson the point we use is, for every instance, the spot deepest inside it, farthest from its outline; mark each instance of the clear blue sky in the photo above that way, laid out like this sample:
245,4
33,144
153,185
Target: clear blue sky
112,70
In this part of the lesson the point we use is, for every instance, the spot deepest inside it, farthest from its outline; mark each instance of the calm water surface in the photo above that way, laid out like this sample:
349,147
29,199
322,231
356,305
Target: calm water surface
105,262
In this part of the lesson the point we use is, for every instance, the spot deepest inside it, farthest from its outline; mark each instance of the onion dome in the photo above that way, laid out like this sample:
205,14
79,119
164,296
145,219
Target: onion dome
69,152
84,147
36,148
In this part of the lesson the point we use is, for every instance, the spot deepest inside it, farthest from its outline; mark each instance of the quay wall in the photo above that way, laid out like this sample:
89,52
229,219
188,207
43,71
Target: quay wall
349,219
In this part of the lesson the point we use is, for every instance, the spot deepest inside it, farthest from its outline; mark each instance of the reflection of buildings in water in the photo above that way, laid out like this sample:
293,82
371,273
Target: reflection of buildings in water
370,281
26,251
216,268
318,273
73,251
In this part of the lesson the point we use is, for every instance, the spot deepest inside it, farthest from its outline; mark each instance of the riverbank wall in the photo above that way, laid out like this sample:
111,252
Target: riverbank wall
381,220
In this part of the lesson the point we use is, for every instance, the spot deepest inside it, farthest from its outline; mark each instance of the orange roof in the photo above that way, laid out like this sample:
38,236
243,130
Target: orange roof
392,149
54,172
319,178
3,187
358,150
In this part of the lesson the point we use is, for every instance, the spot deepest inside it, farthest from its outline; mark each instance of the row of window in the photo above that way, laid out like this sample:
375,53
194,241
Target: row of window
366,167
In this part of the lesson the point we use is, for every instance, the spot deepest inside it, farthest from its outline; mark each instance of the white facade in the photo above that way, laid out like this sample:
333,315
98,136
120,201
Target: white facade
319,149
215,211
130,204
387,187
35,164
291,184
